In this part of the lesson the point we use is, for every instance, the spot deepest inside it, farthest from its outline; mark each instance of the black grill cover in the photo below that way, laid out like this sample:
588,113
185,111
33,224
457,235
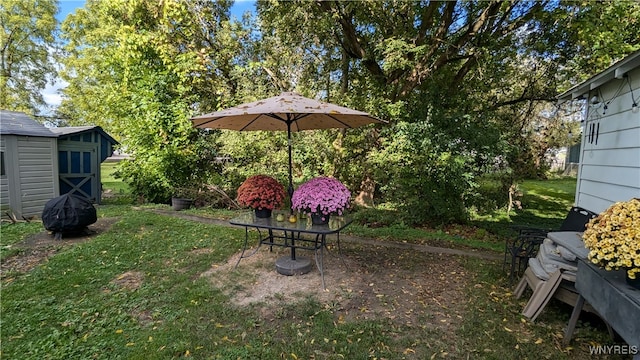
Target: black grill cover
68,213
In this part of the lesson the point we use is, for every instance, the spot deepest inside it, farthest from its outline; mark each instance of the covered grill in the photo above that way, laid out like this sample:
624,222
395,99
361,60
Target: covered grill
68,214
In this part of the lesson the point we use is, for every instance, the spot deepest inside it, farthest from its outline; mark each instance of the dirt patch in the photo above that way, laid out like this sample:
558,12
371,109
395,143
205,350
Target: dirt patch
421,289
130,280
37,248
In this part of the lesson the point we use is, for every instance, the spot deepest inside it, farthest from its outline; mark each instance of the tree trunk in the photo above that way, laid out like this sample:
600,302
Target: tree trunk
367,189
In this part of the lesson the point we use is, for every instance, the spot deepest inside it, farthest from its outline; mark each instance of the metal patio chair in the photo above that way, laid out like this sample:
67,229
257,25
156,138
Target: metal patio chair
526,244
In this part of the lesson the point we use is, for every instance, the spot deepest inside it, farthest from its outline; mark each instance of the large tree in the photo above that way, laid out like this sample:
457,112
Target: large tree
26,42
460,80
140,68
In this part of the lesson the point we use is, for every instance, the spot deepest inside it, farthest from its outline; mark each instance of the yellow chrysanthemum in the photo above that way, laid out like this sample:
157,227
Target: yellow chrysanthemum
613,238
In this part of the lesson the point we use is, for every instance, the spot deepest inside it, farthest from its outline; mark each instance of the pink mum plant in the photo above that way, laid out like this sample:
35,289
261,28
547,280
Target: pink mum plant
321,195
261,192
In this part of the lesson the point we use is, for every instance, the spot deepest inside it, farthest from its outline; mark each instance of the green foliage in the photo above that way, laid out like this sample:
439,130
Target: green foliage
27,36
492,192
427,182
473,78
140,80
482,75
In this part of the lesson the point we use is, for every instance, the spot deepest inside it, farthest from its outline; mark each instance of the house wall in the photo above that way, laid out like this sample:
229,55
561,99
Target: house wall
610,154
31,174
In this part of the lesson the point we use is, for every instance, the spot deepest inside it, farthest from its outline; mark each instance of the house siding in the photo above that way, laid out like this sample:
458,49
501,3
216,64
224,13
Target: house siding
610,154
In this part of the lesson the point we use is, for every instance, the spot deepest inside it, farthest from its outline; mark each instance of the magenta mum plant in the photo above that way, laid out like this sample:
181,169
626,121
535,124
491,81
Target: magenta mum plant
321,195
261,192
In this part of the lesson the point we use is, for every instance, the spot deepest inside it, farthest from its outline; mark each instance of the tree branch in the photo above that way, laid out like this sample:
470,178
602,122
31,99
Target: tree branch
351,43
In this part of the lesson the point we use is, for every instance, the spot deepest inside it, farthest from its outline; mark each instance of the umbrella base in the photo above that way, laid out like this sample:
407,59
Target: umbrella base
286,266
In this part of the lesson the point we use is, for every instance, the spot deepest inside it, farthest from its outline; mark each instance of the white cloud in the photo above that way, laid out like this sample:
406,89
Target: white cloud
51,93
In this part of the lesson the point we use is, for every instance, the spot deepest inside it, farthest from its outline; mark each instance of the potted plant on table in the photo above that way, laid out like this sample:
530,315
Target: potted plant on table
613,239
321,197
261,193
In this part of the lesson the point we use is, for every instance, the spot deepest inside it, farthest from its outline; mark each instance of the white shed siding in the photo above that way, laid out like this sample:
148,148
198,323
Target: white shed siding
37,164
610,153
4,179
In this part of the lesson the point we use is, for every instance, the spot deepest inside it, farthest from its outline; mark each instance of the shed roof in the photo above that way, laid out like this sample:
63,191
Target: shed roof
77,130
18,123
615,71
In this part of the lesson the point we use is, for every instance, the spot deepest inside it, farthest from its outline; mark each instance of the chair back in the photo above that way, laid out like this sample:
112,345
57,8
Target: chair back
577,219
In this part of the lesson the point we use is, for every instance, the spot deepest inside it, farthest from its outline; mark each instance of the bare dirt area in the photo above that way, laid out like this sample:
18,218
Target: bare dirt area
39,247
367,282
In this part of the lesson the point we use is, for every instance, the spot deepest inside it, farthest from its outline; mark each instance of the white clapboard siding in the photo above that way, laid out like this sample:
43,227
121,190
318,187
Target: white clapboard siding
612,157
610,167
625,176
607,191
627,139
595,204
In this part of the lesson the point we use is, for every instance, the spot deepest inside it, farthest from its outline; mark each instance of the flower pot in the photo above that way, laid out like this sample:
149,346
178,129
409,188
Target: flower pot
319,219
263,213
634,283
181,203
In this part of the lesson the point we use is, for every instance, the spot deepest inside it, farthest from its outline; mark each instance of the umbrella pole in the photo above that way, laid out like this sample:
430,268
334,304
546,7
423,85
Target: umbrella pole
293,248
290,189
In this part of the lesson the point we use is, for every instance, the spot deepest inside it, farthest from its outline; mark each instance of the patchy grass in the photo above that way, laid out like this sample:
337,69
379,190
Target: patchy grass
12,233
138,291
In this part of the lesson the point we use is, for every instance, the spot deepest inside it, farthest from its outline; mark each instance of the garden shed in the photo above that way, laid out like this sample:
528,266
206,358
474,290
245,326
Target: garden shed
609,169
40,163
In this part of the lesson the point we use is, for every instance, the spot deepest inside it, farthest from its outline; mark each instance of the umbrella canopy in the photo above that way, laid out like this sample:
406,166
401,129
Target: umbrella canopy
287,112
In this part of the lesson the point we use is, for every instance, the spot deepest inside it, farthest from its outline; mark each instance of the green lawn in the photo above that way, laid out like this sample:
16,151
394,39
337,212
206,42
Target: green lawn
115,191
136,291
545,204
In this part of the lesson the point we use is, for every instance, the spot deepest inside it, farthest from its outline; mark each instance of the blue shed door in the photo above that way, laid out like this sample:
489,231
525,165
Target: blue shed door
78,169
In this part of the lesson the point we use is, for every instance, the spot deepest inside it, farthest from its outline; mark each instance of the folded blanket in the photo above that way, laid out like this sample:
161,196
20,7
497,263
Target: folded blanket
566,254
551,262
537,269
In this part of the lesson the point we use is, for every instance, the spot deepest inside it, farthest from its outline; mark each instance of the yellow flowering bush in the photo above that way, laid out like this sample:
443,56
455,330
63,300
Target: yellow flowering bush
613,238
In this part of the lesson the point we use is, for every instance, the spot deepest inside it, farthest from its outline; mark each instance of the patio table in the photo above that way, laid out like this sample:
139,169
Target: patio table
617,303
287,234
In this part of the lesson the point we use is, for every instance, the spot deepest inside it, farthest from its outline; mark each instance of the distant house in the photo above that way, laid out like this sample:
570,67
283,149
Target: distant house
39,163
609,166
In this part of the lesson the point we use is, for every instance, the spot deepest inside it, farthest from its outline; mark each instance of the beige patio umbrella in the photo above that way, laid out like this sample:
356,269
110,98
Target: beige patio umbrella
286,112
